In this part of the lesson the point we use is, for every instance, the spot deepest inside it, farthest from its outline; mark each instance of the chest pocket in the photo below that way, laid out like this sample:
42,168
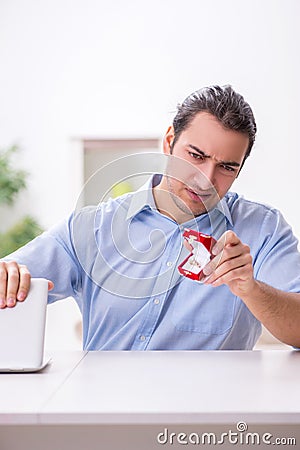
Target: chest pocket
203,309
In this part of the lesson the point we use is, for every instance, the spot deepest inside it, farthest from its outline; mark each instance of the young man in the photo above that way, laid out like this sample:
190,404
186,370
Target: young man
119,260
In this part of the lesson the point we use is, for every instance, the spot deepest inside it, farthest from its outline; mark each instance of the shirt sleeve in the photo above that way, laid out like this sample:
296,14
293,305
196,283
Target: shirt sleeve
51,255
278,261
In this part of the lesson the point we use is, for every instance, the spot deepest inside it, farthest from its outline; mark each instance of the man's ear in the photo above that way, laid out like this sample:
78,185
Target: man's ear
168,140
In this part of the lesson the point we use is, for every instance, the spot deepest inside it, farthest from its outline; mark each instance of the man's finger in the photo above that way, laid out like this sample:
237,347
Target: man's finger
227,253
24,283
13,278
3,281
230,266
212,265
228,238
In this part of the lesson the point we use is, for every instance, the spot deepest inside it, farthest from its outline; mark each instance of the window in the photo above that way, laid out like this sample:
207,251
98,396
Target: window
110,169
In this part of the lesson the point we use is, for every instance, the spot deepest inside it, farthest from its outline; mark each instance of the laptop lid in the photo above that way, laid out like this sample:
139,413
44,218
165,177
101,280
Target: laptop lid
22,331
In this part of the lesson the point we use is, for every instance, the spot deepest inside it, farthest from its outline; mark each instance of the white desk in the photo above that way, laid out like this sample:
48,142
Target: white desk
122,400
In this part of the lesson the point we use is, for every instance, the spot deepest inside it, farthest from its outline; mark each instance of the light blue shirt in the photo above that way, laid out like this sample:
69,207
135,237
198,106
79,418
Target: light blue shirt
119,261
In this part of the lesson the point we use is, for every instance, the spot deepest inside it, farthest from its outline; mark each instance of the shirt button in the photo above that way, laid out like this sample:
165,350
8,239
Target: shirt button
142,338
156,301
169,264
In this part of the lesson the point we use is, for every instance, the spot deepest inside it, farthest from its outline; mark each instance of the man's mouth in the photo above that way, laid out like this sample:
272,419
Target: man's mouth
198,196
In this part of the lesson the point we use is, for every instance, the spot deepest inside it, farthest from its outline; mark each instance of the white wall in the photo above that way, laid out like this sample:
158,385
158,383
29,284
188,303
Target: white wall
73,68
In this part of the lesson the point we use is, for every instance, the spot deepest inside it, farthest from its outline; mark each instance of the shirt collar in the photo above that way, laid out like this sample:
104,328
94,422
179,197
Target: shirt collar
143,199
223,208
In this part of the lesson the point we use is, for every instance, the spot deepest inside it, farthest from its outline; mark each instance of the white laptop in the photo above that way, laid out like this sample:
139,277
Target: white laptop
22,331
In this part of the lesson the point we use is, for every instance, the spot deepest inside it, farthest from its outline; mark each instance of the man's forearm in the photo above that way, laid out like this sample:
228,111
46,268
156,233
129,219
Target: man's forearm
277,310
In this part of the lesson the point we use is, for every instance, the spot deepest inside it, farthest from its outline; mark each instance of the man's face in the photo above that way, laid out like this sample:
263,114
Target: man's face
214,156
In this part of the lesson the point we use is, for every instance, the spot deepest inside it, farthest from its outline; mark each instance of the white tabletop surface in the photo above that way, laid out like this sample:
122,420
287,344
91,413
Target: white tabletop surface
22,395
156,387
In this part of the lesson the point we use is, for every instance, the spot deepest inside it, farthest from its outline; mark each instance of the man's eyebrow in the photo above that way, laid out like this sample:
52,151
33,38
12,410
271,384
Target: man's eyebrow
226,163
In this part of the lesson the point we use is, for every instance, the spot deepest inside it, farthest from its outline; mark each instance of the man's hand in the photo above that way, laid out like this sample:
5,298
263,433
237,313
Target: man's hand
232,265
14,283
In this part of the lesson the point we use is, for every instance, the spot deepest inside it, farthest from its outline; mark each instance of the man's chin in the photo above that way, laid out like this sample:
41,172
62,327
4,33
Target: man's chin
199,212
192,211
203,207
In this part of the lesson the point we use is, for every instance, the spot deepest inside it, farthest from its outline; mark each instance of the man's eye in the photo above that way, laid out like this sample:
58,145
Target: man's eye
195,155
228,168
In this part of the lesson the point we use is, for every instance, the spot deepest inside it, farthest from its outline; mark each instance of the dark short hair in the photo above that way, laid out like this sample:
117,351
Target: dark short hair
229,107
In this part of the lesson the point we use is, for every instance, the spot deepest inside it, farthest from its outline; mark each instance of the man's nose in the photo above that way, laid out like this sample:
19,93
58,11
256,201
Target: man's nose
206,175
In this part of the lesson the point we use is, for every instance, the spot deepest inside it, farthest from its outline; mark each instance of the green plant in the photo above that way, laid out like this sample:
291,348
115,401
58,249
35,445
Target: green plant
22,232
12,181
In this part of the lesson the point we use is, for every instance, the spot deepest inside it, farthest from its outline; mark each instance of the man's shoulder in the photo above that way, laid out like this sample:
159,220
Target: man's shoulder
241,207
106,206
95,216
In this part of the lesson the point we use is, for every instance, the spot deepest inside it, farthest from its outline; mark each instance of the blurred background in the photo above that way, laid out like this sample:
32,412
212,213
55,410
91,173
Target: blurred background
82,83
